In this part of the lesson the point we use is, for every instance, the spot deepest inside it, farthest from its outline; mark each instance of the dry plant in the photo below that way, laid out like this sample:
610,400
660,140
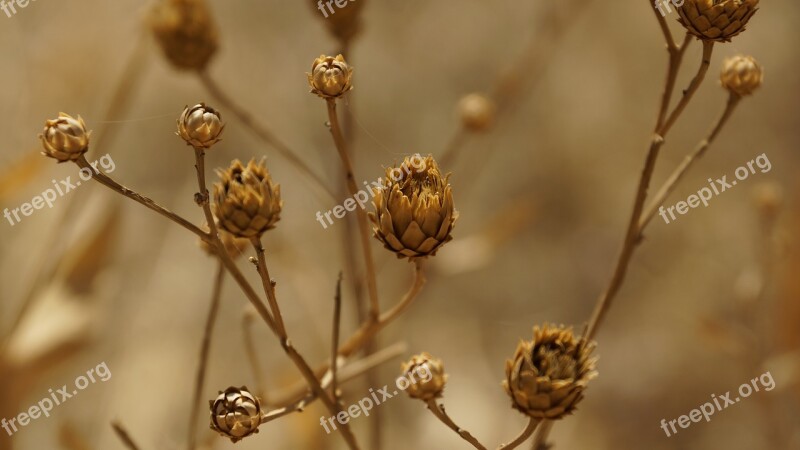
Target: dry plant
414,216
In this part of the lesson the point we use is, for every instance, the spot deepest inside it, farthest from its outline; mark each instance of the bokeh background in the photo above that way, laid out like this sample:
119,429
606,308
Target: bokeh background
710,302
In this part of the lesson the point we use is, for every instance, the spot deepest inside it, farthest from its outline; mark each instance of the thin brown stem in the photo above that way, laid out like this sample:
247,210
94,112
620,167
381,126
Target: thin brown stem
708,47
523,436
687,162
269,286
124,436
540,438
662,23
633,233
262,132
106,181
205,348
675,60
438,411
337,323
363,225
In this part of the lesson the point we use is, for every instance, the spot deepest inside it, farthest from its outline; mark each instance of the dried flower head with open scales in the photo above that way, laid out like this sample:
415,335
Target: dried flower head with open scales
716,20
65,138
415,214
428,388
330,77
235,413
200,126
246,200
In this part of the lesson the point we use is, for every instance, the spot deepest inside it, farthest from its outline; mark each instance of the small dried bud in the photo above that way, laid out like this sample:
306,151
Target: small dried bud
247,201
414,210
477,112
548,375
426,377
65,138
200,126
716,20
330,77
741,75
236,413
186,32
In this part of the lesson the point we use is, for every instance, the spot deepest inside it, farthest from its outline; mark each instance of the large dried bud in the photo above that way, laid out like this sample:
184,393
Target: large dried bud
477,112
343,23
200,126
741,75
330,77
186,32
414,211
548,375
716,20
236,413
65,138
425,377
247,201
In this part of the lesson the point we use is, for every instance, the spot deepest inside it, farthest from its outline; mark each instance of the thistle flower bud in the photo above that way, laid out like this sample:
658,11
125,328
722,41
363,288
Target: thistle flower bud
426,377
741,75
200,126
477,112
548,375
186,32
247,201
330,77
236,413
414,210
65,138
716,20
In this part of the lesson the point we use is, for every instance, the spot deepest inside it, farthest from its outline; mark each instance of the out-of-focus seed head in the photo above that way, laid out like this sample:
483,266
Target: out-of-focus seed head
330,77
343,23
716,20
741,75
246,200
548,375
477,112
185,31
65,138
200,126
425,376
414,210
235,413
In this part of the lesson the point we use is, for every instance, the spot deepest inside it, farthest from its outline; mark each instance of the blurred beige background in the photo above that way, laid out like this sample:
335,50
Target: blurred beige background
562,165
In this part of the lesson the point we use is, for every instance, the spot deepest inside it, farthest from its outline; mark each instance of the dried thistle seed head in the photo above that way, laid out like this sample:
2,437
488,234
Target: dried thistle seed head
741,75
414,210
716,20
246,200
330,77
233,245
343,23
235,413
65,138
477,112
548,375
200,126
186,32
425,376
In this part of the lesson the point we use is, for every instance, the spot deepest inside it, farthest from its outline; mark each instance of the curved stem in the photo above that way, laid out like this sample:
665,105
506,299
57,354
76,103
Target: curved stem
526,433
204,352
363,226
261,131
708,47
269,286
108,182
687,162
675,60
439,412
